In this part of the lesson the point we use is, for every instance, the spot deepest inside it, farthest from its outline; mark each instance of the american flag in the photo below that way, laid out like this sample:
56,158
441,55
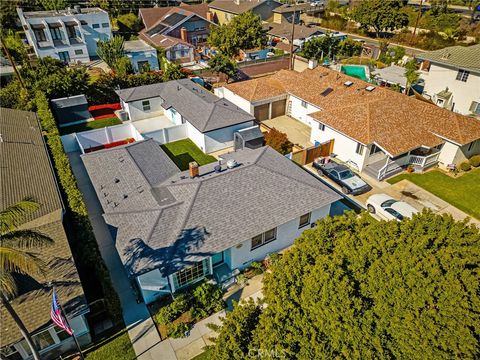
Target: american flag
56,314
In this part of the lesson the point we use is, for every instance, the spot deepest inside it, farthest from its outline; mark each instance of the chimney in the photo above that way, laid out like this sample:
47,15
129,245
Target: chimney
312,63
210,17
183,34
193,169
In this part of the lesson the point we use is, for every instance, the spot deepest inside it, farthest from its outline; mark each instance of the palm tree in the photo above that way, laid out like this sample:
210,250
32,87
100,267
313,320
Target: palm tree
16,256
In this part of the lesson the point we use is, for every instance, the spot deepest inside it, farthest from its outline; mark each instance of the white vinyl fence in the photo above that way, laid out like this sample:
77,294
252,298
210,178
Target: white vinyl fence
168,134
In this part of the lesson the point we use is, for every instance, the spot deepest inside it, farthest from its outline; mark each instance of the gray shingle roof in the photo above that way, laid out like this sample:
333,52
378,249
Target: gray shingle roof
181,220
24,158
465,57
197,105
25,170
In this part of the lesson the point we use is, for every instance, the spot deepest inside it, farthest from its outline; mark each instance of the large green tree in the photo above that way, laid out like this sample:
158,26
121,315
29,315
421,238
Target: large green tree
51,76
221,63
357,288
18,255
320,47
111,50
236,332
381,15
411,74
244,32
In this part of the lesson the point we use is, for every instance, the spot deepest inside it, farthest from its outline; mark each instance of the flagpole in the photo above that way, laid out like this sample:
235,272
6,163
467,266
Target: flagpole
62,312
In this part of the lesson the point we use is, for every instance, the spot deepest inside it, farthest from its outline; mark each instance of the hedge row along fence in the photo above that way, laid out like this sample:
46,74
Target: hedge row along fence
84,242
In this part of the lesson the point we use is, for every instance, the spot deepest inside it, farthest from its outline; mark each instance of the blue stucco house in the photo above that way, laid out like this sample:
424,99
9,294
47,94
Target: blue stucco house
141,54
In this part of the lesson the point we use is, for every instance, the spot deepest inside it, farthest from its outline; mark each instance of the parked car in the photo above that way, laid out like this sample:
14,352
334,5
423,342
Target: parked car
388,208
350,182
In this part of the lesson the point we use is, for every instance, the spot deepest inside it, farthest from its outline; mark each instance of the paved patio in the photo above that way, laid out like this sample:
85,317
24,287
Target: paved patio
152,124
297,132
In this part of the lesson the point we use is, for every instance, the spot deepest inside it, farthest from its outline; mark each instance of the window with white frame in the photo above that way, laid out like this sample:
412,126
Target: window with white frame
105,25
304,104
462,75
96,26
359,149
304,220
264,238
191,274
321,127
56,33
146,105
475,107
78,52
10,353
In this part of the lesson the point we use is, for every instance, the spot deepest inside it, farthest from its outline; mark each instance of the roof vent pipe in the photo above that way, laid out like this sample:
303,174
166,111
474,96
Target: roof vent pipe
193,169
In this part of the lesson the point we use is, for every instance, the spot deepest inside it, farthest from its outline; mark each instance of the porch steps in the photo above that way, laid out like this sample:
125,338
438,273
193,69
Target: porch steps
373,169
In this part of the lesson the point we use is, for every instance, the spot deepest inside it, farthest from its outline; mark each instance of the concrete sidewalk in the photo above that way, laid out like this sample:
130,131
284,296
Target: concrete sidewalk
141,328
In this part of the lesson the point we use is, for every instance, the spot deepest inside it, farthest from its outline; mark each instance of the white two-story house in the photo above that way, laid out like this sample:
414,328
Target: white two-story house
70,35
172,229
452,78
374,129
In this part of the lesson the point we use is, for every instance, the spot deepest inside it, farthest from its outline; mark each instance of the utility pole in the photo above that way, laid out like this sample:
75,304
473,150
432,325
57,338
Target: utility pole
290,64
416,22
13,64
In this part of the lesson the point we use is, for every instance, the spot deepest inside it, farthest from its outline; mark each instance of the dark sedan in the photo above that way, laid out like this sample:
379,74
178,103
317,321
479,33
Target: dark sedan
350,182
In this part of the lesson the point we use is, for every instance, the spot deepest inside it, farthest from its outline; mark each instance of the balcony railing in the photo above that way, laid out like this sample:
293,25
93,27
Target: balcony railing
424,161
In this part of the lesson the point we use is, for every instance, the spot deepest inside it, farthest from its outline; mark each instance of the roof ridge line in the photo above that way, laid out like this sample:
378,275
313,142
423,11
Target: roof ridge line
291,178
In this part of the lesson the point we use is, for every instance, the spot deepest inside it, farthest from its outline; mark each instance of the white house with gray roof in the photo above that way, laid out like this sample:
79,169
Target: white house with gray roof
172,230
210,122
70,35
452,78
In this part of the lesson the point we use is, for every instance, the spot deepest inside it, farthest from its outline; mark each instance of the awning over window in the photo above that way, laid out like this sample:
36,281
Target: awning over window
37,26
54,25
70,23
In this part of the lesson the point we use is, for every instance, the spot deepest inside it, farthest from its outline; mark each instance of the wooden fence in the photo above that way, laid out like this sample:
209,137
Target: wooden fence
306,156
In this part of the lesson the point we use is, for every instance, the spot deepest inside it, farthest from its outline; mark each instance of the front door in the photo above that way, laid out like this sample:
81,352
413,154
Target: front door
218,259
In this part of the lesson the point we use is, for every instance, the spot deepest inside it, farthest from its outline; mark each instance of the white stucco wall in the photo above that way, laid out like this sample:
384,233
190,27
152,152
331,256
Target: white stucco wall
242,103
87,35
135,109
454,154
174,116
242,256
344,147
223,138
440,77
299,112
196,136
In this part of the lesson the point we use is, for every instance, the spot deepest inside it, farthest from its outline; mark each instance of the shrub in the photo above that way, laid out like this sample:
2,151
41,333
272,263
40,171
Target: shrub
178,330
278,141
208,299
257,267
465,166
81,237
173,310
475,161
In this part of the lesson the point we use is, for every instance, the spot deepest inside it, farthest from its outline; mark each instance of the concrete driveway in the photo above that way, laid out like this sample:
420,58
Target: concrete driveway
405,191
297,132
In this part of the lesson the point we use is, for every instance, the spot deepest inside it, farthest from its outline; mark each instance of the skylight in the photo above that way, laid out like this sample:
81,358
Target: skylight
348,83
370,88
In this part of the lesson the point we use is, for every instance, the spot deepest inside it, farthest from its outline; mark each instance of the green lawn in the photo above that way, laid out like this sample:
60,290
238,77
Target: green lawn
203,356
184,151
116,347
95,124
461,191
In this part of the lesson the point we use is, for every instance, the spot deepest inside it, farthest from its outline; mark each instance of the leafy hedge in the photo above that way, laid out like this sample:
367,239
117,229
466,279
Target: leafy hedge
84,242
